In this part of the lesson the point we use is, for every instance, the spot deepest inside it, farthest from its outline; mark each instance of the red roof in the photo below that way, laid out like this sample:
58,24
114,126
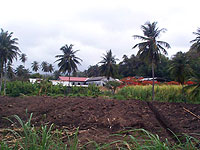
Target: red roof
76,79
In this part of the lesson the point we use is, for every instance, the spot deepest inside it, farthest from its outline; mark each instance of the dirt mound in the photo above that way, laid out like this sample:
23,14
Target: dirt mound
97,118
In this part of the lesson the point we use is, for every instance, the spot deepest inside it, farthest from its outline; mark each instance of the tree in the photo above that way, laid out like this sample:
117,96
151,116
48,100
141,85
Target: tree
108,64
35,66
10,72
56,74
150,48
22,73
196,41
23,58
68,61
44,66
50,68
8,51
180,69
93,71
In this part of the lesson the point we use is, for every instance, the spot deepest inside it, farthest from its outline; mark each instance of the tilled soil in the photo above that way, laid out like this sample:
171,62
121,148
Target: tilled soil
97,118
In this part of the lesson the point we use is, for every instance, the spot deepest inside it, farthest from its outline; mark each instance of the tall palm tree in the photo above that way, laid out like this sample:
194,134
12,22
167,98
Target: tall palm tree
196,41
23,58
68,61
50,68
150,48
8,51
44,66
108,64
35,66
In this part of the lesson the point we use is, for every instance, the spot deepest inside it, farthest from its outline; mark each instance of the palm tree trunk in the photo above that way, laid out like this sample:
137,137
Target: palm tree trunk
69,79
153,96
5,77
1,82
183,93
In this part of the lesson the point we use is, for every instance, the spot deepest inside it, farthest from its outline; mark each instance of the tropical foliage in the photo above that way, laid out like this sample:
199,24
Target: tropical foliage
108,65
150,48
8,51
68,61
196,41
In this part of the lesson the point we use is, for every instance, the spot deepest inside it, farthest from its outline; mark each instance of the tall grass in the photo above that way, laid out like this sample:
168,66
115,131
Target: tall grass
165,93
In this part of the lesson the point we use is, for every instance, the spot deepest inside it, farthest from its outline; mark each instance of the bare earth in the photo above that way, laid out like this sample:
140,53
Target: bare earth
98,118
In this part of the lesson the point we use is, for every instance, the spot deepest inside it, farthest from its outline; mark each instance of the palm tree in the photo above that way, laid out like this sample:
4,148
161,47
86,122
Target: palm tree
108,64
150,48
68,61
35,66
44,66
50,68
10,72
196,41
23,58
8,51
180,69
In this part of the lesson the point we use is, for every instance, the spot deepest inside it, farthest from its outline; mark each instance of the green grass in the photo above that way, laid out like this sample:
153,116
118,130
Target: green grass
45,138
164,93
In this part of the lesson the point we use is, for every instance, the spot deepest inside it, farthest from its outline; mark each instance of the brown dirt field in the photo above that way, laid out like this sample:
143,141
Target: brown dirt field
98,118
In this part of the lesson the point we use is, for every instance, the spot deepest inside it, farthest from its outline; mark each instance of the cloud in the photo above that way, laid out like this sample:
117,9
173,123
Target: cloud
94,27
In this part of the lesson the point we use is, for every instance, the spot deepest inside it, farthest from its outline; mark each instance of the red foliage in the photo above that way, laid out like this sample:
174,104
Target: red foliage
134,81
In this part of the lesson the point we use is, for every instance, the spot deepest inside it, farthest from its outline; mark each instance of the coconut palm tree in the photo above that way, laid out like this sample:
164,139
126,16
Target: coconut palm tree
68,61
50,68
23,58
10,72
150,48
44,66
8,51
108,64
196,41
35,66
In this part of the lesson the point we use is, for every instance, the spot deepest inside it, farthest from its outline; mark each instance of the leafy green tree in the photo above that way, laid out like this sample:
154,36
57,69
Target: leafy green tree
23,58
93,71
180,69
108,66
68,61
35,66
150,48
8,51
113,85
196,41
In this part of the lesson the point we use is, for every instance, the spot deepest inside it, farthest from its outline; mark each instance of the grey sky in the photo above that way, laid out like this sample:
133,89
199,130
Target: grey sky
95,26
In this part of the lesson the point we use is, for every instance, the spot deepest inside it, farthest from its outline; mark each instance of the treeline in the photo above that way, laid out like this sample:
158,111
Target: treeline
134,66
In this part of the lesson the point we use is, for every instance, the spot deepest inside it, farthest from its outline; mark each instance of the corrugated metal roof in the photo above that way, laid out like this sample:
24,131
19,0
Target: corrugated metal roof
75,79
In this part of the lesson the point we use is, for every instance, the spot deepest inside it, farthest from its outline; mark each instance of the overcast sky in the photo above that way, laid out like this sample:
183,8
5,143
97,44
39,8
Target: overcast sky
95,26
